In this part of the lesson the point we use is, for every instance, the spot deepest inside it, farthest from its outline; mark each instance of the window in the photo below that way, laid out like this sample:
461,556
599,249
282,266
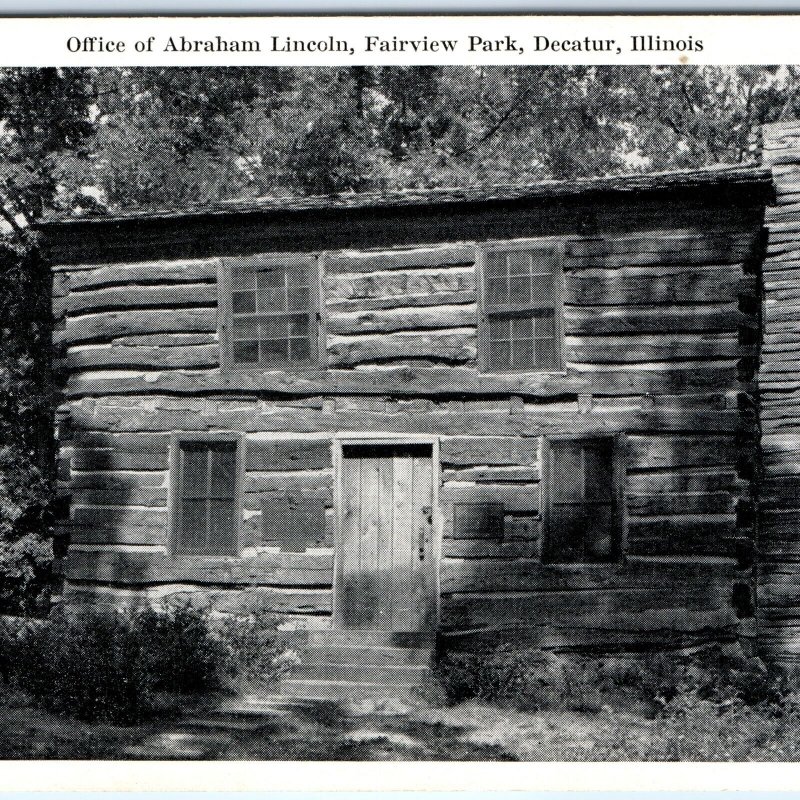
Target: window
205,499
520,324
584,505
270,312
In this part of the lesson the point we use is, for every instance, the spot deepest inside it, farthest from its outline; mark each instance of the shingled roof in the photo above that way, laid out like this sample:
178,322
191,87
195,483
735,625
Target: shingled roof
631,183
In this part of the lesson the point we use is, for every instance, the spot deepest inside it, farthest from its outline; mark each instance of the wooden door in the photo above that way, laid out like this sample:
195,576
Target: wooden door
385,569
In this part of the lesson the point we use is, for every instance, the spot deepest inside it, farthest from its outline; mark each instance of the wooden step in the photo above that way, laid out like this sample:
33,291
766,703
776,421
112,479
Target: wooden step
359,638
375,655
368,673
308,689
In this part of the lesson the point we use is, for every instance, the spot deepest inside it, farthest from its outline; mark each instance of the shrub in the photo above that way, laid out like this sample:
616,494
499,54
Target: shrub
181,654
108,666
252,650
522,677
89,666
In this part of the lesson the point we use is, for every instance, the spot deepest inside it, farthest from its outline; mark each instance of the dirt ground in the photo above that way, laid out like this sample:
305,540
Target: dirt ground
228,729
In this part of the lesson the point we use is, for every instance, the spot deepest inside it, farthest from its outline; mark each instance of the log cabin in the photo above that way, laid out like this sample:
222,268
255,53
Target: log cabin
564,414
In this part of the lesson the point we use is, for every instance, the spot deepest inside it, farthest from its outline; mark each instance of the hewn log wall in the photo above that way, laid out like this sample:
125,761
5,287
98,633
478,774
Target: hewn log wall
660,330
779,385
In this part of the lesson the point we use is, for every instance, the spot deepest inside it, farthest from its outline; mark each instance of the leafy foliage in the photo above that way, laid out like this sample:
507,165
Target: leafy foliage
108,666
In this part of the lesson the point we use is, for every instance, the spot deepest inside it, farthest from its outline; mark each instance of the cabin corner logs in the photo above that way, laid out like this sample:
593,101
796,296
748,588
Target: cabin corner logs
661,319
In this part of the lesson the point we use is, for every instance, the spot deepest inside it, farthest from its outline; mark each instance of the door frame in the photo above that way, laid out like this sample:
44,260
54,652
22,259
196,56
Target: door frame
340,441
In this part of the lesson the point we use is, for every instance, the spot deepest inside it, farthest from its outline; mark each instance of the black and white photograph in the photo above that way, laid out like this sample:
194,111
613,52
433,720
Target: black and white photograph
385,413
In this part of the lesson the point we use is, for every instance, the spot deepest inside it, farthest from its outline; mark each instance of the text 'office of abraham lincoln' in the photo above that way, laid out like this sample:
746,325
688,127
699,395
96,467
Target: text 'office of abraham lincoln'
564,414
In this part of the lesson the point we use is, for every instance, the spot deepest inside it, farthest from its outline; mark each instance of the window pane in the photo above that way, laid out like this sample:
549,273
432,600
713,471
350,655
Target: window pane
522,328
497,291
192,536
500,355
543,261
271,278
599,533
544,325
245,352
243,280
274,350
543,290
519,262
223,471
299,349
298,326
567,472
522,354
499,328
271,300
297,275
222,533
244,329
567,534
273,328
520,291
597,471
243,302
496,264
545,354
195,471
299,299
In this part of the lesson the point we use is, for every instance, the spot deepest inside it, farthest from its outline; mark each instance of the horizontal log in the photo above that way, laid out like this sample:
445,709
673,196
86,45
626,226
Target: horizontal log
142,567
631,320
99,460
689,534
409,381
659,452
398,284
446,423
469,452
113,324
658,243
115,481
718,481
113,517
281,455
129,297
681,503
238,602
154,272
155,496
154,357
531,575
492,474
606,609
401,319
515,499
366,261
641,286
446,347
167,340
486,548
651,348
116,535
466,297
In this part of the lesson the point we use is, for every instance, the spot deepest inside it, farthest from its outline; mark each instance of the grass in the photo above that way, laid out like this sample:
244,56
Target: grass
472,730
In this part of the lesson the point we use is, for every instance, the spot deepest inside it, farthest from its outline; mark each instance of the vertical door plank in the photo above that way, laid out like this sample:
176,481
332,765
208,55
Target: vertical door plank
370,521
422,509
384,566
350,542
403,553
